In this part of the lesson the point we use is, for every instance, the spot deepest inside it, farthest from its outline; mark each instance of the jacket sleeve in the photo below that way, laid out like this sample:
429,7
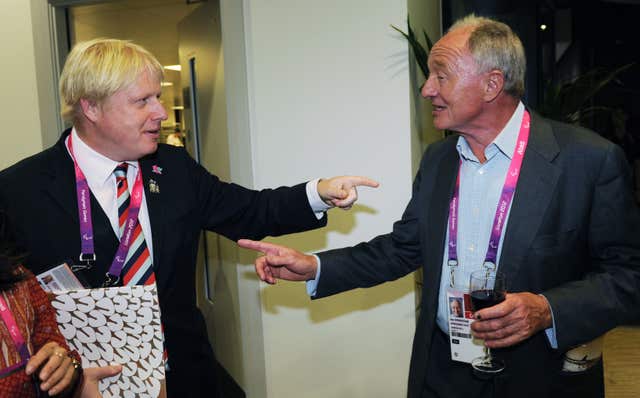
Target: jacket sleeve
382,259
237,212
609,294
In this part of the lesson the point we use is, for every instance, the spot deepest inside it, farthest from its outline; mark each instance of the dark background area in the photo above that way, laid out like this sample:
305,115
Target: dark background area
580,35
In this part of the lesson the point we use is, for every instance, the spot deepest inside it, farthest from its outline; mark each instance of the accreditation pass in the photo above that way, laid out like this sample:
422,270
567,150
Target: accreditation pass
464,347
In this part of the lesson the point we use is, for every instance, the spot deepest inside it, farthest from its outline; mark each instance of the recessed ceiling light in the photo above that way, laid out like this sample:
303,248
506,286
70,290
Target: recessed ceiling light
173,67
543,27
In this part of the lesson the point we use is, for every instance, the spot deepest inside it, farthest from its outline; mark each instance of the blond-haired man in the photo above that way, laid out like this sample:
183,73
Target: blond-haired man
110,91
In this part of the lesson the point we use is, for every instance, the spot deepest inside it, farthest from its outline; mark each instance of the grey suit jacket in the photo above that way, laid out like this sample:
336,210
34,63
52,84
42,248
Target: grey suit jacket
573,235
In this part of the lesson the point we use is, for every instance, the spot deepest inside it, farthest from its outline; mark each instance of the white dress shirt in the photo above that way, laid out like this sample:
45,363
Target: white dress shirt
98,169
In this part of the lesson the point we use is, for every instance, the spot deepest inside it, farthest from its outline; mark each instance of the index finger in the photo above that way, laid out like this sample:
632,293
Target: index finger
363,181
34,362
264,247
40,357
496,311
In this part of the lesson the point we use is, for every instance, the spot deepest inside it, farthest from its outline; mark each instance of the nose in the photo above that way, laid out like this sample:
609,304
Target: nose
428,88
159,113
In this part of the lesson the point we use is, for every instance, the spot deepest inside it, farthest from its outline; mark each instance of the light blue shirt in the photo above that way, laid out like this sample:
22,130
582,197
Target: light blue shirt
480,188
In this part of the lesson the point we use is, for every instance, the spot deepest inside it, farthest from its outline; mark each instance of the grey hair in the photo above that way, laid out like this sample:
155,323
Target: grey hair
493,45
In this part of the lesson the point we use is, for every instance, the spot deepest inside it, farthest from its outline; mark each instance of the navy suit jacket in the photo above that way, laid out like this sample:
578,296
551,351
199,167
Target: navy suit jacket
39,196
573,235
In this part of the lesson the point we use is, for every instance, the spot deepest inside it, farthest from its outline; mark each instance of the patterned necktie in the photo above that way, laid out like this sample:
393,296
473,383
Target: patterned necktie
137,269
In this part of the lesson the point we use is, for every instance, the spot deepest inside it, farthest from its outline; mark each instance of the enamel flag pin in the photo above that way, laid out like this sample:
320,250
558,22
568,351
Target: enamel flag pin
153,186
156,169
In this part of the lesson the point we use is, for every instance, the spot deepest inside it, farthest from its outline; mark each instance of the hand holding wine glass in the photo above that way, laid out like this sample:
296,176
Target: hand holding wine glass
487,288
517,318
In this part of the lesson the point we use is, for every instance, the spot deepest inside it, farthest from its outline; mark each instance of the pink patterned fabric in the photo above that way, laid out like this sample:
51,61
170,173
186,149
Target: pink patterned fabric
36,319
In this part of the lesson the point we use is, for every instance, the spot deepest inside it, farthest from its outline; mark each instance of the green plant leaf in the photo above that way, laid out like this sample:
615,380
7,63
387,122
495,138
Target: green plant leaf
419,52
427,40
575,94
569,101
598,84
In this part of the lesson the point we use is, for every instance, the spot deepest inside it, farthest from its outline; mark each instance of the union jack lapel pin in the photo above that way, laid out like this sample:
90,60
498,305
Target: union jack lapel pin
156,169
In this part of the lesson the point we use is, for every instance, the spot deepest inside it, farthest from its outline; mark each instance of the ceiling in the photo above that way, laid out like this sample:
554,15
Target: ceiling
150,23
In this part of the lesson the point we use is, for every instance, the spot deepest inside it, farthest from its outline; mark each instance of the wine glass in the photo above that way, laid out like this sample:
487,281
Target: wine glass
487,288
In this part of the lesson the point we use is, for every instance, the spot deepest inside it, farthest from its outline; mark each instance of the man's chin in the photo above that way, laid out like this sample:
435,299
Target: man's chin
441,126
149,149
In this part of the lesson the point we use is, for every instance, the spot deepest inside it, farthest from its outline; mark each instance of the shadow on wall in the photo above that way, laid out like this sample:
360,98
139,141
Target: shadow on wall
294,294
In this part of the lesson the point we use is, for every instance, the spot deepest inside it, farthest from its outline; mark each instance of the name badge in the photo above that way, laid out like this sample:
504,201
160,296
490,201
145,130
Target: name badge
59,279
464,347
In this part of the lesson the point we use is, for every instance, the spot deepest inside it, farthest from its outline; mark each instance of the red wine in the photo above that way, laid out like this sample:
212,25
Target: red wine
486,298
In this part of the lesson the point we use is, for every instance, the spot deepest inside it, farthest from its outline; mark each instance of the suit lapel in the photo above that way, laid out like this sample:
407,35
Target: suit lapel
60,184
436,219
59,181
152,178
534,192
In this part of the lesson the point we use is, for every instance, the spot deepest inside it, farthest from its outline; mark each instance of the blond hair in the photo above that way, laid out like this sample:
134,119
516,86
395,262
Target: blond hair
494,45
98,68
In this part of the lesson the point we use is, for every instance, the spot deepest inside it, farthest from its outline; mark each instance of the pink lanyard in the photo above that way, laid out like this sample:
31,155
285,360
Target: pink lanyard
508,189
18,340
86,227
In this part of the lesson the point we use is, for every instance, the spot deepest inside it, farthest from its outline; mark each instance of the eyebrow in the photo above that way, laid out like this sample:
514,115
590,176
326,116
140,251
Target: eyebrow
445,67
440,64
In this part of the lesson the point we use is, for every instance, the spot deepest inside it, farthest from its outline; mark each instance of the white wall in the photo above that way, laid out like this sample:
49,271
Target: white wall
21,129
425,17
325,93
328,95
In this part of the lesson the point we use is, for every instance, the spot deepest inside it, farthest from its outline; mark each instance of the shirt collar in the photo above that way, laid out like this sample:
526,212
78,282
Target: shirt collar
504,142
96,167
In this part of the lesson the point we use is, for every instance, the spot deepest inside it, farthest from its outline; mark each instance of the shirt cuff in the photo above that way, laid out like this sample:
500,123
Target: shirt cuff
551,332
318,205
312,285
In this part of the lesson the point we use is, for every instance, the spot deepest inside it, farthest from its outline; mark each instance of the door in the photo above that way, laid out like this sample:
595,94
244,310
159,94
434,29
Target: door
206,138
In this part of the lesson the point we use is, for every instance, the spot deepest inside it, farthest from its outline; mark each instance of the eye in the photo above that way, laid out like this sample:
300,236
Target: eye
437,76
147,100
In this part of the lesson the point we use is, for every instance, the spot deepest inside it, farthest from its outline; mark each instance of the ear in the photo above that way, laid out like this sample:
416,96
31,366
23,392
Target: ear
493,85
90,109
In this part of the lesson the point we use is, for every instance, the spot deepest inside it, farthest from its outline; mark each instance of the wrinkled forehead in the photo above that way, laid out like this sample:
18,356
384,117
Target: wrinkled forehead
449,52
146,73
145,77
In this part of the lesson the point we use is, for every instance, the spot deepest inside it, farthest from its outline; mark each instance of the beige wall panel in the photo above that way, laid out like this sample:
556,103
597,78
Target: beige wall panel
19,112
